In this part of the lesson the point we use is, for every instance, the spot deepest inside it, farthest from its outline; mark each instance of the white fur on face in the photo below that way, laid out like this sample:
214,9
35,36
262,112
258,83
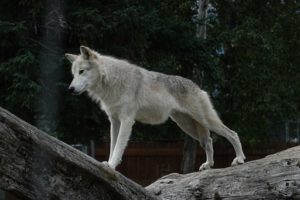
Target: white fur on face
84,75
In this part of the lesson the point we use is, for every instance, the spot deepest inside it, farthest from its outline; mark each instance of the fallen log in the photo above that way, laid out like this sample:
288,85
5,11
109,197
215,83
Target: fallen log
34,165
274,177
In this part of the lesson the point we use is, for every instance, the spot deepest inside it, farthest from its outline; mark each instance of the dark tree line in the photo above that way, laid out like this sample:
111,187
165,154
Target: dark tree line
250,59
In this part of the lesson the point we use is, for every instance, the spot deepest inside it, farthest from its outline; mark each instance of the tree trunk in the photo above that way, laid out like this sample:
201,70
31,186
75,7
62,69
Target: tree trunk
51,67
274,177
201,15
189,155
190,145
34,165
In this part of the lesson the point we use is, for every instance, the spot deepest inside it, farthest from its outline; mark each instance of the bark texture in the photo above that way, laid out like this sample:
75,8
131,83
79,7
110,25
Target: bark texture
274,177
34,165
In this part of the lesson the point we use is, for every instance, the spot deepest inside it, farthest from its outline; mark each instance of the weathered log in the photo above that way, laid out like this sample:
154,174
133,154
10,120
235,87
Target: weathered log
274,177
34,165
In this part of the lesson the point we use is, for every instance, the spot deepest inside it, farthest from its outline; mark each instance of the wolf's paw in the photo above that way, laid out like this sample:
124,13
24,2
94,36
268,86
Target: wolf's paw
105,163
108,164
205,166
237,161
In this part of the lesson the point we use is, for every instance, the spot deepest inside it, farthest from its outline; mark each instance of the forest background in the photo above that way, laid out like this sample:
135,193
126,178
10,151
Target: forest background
249,63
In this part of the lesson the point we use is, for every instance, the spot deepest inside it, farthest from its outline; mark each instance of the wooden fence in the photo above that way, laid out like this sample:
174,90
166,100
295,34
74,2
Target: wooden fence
146,162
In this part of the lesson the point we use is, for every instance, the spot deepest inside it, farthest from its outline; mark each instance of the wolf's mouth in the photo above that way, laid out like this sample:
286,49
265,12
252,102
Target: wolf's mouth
77,92
73,91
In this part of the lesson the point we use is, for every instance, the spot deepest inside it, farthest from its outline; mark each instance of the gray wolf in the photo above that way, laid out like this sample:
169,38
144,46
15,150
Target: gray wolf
128,93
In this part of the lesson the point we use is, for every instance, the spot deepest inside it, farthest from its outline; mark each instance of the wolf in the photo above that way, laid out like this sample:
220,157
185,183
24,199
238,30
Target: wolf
128,93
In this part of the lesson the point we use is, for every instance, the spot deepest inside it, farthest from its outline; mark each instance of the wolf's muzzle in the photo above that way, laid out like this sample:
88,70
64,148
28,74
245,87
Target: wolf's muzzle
73,91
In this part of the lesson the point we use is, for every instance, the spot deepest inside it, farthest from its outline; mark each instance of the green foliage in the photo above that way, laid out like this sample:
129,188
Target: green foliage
17,75
261,64
250,60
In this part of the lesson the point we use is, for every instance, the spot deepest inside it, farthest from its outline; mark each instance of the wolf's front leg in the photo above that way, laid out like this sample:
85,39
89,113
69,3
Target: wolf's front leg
114,131
123,137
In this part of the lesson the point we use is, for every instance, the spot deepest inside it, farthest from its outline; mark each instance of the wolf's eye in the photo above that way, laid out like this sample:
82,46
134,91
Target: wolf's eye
81,71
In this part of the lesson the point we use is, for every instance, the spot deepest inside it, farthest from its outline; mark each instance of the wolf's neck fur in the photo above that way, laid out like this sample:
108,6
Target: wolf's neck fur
102,91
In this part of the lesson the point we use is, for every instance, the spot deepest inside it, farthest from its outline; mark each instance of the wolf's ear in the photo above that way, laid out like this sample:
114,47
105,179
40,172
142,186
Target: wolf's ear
71,57
86,52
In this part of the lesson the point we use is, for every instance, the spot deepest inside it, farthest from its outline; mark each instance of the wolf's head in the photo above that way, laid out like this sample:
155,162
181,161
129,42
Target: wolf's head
84,69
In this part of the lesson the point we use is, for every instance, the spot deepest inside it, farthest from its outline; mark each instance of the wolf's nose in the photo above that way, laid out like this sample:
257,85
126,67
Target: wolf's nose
71,89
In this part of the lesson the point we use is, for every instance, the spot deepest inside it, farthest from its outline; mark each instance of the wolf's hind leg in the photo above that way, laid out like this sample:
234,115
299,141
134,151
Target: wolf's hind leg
205,114
198,132
206,144
216,125
233,138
